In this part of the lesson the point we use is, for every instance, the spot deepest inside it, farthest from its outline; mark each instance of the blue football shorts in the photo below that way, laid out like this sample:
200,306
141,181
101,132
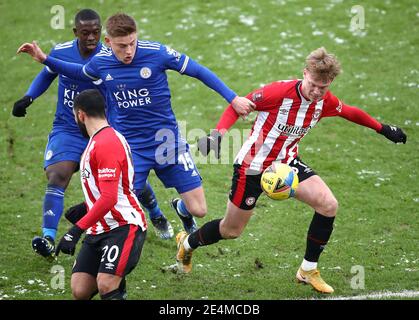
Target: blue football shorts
174,171
64,146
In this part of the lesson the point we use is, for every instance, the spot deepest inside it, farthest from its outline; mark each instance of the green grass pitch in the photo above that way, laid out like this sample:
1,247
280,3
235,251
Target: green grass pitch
247,43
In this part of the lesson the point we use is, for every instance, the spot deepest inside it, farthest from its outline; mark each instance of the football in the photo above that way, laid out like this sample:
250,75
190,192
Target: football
279,181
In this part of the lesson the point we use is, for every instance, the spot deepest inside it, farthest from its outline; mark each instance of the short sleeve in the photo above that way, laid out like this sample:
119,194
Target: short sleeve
332,106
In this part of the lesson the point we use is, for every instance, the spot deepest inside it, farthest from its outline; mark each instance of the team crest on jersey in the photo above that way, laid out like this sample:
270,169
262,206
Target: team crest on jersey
250,200
317,113
85,174
73,86
48,155
284,112
145,72
257,96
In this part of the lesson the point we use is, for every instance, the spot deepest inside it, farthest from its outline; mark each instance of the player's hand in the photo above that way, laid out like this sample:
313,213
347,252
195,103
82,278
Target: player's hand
393,133
210,142
19,108
75,213
69,241
33,50
242,106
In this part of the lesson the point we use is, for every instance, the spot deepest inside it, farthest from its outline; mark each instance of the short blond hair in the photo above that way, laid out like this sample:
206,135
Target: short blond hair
322,65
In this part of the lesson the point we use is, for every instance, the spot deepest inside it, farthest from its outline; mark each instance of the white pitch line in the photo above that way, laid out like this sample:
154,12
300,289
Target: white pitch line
380,295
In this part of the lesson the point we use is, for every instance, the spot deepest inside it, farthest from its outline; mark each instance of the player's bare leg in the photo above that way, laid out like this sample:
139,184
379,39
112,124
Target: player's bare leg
234,222
83,286
192,203
314,192
109,286
59,175
195,202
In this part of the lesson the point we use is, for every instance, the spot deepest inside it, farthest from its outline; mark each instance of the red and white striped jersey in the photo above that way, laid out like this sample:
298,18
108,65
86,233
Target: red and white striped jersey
284,118
108,158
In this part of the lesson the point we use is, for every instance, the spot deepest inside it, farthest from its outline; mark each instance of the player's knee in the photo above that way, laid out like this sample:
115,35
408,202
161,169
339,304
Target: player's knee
198,210
57,178
104,287
330,206
80,293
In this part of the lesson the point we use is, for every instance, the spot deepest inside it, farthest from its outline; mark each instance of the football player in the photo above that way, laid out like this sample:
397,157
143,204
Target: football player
138,98
65,143
115,224
287,111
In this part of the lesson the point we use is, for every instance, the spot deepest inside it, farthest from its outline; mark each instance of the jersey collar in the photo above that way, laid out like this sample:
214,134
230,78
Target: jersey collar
98,47
101,129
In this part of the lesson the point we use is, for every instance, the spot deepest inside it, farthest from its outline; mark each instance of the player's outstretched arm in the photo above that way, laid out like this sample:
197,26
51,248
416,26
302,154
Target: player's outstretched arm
33,50
242,105
38,86
72,70
361,117
393,133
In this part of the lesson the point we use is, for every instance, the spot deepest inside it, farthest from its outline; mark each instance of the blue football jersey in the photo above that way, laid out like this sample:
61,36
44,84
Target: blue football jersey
68,88
138,94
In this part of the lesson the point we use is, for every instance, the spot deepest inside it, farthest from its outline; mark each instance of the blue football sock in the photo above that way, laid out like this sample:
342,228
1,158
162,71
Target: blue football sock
182,209
49,232
154,212
53,209
148,200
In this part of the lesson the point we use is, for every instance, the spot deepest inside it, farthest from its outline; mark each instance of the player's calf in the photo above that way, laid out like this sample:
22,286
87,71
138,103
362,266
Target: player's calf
111,287
231,233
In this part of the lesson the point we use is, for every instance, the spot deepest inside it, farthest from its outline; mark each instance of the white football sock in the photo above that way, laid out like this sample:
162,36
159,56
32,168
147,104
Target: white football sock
308,265
186,244
179,209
